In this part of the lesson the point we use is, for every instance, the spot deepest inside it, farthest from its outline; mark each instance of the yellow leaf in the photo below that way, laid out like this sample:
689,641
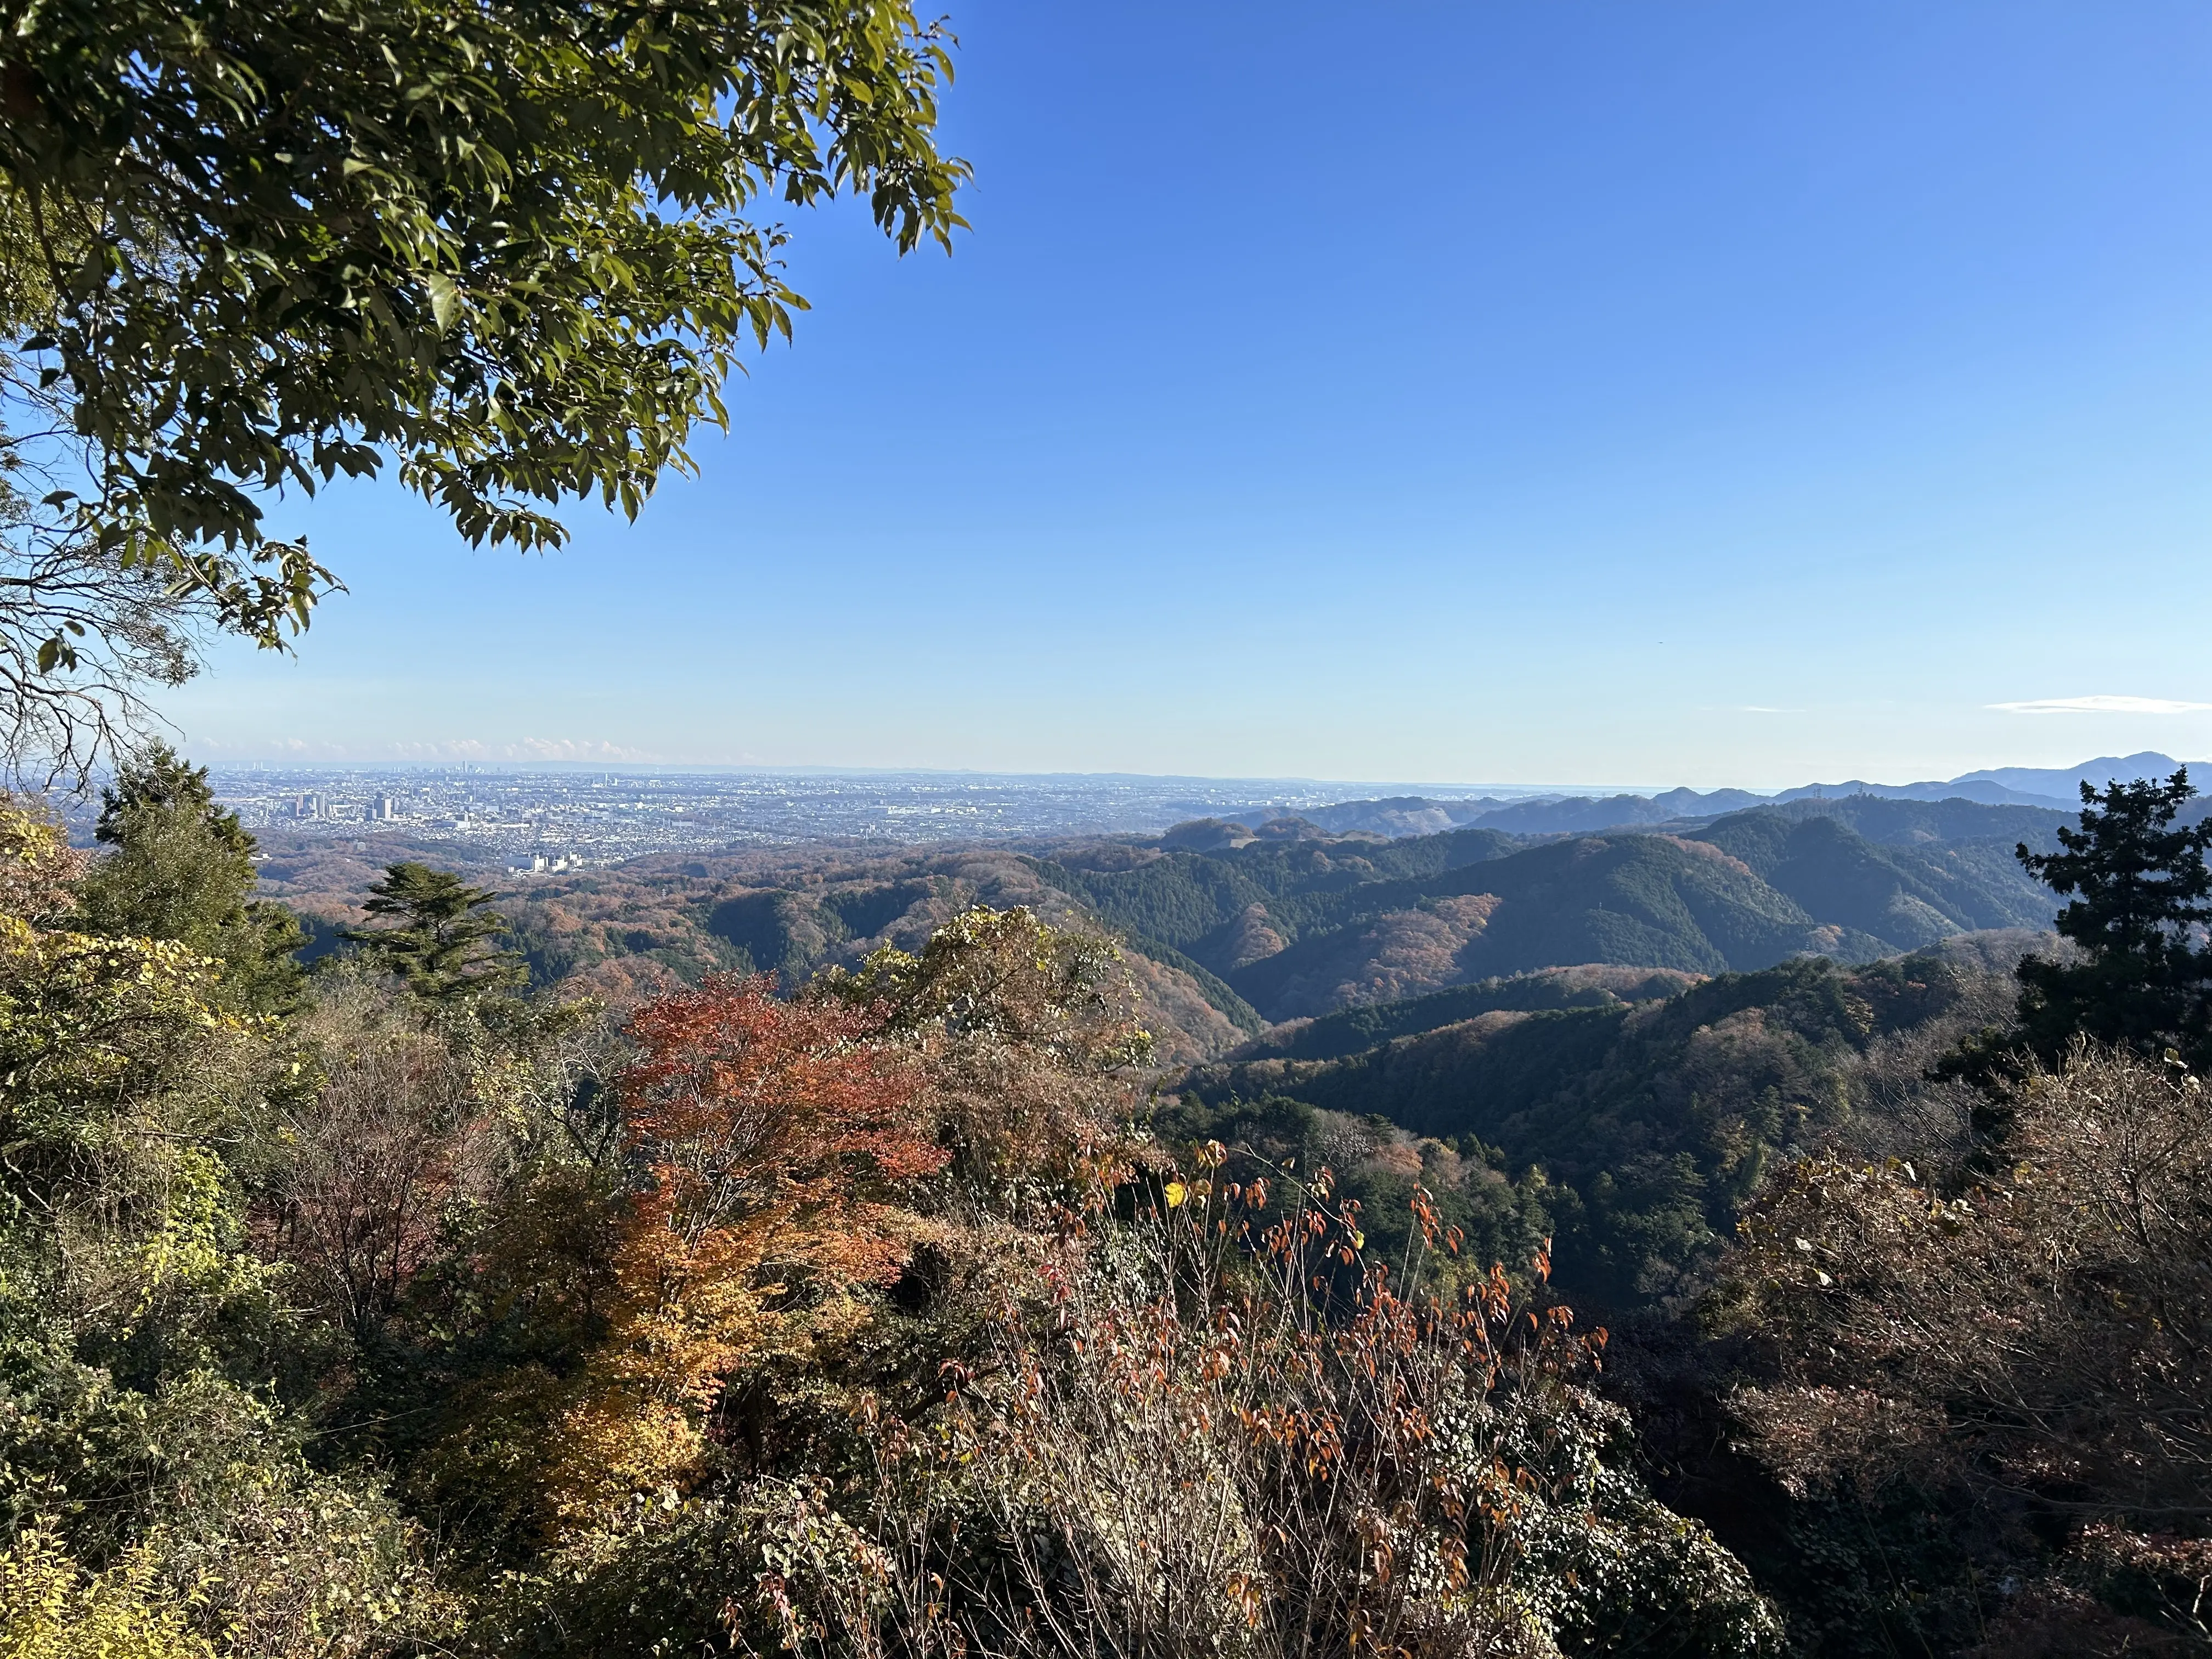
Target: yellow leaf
1176,1193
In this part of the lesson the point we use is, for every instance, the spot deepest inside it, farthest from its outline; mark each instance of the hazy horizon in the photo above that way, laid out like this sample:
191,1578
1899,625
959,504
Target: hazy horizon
525,766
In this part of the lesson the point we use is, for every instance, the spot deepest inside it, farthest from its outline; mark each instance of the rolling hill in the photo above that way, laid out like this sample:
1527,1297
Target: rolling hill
1235,933
1302,929
1631,1117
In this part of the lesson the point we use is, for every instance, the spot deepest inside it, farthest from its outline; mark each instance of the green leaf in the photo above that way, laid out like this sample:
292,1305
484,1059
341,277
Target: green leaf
357,183
445,299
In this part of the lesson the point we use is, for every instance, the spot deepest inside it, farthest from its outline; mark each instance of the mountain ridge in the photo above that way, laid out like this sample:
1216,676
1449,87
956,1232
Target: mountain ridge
1232,935
2055,788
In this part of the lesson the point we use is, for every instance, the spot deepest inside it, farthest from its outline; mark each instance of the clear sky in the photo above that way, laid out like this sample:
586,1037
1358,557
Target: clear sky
1523,390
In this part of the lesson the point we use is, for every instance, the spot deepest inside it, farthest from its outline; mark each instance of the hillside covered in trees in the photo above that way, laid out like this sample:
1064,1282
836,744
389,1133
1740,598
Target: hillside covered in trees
412,1300
1296,923
1629,1115
393,1308
1676,1225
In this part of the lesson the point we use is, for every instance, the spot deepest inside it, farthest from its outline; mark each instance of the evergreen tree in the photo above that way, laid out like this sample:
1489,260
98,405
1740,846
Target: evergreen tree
2142,896
442,943
181,867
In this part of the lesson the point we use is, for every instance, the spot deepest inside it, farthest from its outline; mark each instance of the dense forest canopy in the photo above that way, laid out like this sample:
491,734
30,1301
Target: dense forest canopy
925,1297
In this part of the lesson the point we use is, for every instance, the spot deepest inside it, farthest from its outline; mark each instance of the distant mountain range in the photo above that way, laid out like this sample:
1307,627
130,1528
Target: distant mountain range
1235,929
2022,786
1305,924
2096,774
1555,815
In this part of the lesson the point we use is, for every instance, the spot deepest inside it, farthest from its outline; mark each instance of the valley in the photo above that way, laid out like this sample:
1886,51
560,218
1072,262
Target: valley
1293,922
1606,1039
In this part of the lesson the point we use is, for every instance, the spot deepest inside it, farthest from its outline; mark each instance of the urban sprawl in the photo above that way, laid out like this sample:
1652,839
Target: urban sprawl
550,820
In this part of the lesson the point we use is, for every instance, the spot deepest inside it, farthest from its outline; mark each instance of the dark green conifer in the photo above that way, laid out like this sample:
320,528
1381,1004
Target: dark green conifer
2141,975
442,943
180,867
2141,896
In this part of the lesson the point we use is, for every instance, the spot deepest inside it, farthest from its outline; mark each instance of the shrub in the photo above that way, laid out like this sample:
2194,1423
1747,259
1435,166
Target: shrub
1187,1434
2034,1341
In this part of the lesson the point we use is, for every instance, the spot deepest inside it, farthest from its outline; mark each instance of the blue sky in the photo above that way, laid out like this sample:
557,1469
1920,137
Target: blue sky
1706,392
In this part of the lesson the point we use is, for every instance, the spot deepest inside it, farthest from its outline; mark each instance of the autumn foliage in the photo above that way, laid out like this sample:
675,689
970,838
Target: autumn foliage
1027,1034
770,1140
872,1317
2028,1338
1219,1426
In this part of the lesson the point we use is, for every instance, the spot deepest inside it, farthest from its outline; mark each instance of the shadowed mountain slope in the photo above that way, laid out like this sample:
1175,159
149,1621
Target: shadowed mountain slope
1915,822
1908,890
1352,1030
1644,1124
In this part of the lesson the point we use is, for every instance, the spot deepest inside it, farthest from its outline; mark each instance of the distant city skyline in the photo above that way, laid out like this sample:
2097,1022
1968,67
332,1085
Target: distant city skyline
1730,396
542,819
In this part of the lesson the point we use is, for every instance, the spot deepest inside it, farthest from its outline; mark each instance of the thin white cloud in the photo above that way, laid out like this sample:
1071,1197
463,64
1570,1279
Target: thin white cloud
2102,704
574,749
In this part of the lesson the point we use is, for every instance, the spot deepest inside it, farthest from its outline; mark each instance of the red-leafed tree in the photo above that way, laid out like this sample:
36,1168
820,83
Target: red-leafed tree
772,1139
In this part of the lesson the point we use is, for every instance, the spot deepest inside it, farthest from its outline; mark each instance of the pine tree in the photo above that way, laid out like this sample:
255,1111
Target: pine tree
2142,897
180,867
443,942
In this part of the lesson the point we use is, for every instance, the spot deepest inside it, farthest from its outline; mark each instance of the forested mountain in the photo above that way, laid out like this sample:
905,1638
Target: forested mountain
1631,1113
454,1313
1233,934
1352,1029
1645,900
1895,822
1979,790
1303,930
1417,815
1902,886
1578,814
